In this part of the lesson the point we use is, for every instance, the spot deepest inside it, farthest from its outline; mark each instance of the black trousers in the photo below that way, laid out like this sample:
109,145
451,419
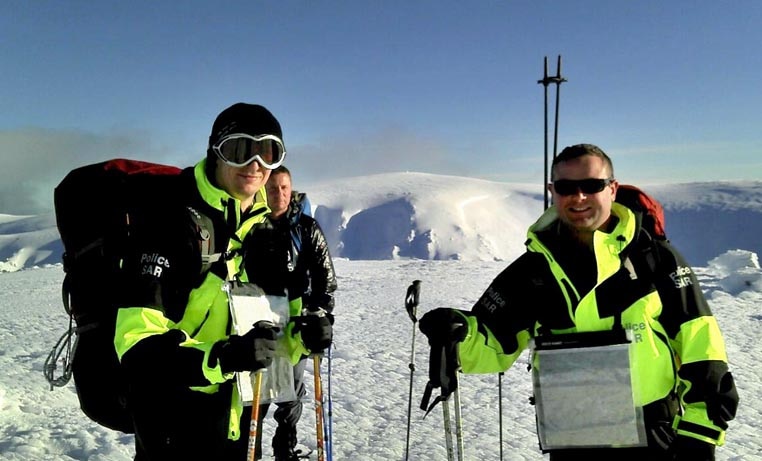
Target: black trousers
182,424
645,453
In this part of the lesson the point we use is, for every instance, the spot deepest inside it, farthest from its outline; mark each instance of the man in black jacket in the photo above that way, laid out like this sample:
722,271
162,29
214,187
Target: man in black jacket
173,334
299,255
585,274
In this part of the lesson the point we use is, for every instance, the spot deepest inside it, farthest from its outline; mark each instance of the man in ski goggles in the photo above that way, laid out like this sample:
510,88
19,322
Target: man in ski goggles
587,186
239,149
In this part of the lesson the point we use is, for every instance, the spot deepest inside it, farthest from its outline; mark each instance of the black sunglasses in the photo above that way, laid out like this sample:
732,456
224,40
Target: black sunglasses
587,186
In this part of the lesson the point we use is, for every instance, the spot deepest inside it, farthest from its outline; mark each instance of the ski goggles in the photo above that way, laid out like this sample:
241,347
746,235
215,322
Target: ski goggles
240,149
587,186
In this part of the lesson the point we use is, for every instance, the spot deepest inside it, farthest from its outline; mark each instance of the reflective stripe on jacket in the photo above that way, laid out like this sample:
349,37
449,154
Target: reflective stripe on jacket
665,311
204,320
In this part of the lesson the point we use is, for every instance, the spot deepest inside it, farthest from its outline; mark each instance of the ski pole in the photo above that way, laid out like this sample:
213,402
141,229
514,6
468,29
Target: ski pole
500,410
411,304
318,408
329,425
458,423
254,427
448,429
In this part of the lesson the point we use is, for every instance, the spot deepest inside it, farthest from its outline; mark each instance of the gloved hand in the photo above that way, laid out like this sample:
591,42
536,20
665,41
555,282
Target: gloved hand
316,329
721,406
250,352
444,326
690,449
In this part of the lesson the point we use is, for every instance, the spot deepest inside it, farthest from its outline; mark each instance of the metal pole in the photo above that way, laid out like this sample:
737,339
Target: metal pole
545,83
458,423
411,305
448,429
329,425
558,80
500,409
546,80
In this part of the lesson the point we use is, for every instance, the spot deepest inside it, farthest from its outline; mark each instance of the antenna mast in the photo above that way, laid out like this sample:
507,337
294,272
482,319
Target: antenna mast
547,80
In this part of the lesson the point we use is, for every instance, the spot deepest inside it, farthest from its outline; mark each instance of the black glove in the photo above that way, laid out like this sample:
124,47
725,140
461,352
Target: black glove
316,329
690,449
712,383
249,352
444,326
721,407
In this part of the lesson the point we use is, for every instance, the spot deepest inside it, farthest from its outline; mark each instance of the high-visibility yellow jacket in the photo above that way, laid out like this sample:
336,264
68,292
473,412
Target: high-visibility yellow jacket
554,288
180,399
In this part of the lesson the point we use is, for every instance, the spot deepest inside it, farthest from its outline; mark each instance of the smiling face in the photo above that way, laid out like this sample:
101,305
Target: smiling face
584,212
243,182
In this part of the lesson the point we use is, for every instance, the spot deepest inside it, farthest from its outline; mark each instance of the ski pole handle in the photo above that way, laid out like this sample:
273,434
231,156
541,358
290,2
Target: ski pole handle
411,299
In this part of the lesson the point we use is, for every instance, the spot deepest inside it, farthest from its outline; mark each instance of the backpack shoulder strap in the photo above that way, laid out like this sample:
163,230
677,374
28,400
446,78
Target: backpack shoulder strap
205,233
642,260
645,248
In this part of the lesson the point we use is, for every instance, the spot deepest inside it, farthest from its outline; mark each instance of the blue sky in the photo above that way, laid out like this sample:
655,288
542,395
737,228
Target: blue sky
669,89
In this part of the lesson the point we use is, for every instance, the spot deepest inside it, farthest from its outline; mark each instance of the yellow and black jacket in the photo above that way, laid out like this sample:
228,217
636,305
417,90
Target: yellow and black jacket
181,402
680,366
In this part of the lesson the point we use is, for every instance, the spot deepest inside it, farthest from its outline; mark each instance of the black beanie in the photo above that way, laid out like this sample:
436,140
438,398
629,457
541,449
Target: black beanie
251,119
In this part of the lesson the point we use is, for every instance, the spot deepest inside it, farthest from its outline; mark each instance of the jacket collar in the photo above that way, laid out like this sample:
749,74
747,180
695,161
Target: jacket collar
624,231
224,202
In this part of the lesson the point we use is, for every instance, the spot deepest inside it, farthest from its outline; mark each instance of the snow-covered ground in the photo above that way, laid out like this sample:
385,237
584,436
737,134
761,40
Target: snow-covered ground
474,227
370,379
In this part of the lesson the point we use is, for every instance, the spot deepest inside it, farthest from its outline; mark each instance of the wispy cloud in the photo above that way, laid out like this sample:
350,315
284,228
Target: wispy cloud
34,161
388,149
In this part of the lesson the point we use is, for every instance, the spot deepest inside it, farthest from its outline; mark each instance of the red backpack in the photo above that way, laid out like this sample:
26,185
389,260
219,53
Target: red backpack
637,200
652,221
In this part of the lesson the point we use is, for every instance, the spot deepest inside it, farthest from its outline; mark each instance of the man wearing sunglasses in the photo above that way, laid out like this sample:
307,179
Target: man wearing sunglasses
583,281
174,339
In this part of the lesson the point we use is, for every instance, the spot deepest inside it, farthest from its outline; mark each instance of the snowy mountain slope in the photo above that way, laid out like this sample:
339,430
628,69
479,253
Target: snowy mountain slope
426,216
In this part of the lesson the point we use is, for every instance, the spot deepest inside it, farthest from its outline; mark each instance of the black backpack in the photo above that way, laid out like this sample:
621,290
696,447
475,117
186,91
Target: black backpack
94,205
